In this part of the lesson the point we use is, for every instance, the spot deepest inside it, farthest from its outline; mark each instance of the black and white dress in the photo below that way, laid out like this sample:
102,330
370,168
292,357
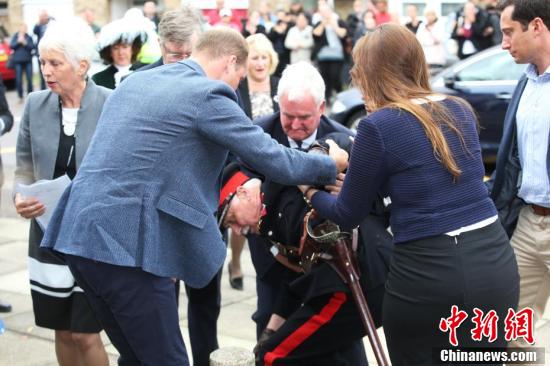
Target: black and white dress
58,302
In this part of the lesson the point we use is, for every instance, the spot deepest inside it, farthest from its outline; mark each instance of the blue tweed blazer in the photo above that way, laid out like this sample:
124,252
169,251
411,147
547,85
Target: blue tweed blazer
147,191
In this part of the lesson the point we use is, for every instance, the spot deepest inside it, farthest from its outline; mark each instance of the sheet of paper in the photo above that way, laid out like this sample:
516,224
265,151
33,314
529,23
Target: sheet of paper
46,191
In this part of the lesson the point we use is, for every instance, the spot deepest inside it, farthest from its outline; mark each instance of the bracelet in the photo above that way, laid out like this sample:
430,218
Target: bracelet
308,201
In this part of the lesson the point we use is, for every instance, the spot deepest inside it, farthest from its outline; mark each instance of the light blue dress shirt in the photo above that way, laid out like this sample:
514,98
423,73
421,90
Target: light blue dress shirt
533,130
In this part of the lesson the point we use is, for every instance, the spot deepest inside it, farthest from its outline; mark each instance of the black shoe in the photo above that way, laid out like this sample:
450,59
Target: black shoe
4,307
264,336
235,282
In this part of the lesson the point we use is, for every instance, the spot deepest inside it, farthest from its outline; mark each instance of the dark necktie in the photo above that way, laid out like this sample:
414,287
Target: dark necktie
299,144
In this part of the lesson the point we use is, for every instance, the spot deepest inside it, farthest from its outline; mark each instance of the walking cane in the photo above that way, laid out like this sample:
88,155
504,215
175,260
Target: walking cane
344,261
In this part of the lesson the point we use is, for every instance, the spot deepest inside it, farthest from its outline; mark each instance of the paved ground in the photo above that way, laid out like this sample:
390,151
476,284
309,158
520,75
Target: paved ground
24,344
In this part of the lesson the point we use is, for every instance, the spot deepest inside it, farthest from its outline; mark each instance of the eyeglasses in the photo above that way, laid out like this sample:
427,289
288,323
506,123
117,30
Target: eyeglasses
175,54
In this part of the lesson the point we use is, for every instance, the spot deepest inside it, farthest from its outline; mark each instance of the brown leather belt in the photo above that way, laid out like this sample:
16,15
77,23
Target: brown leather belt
542,211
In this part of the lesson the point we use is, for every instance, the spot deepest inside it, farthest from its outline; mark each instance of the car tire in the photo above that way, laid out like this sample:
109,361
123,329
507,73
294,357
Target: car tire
353,121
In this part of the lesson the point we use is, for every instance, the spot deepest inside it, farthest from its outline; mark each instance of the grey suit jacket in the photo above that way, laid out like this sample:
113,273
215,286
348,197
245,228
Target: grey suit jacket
39,133
147,191
37,143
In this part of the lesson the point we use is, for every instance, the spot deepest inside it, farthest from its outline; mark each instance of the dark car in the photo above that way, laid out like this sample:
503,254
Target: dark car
8,75
486,80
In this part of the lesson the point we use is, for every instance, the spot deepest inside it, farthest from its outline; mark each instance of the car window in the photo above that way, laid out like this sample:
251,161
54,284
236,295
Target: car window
499,66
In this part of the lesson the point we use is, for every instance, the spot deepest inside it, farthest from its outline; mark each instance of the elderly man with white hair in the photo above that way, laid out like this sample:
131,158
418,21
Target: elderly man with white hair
56,129
288,299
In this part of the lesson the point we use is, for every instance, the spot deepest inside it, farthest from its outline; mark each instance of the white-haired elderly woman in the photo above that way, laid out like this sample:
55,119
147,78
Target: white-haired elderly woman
257,92
56,129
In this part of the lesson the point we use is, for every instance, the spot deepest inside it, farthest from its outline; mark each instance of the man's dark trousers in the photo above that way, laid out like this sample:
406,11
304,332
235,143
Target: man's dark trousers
142,301
203,310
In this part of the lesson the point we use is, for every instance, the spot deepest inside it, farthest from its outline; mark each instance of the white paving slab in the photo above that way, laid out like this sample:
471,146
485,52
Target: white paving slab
17,282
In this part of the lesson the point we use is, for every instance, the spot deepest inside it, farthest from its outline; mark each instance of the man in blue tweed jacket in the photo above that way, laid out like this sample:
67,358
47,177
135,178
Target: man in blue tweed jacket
142,207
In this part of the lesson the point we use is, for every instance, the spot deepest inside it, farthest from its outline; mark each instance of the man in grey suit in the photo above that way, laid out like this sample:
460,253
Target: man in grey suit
141,208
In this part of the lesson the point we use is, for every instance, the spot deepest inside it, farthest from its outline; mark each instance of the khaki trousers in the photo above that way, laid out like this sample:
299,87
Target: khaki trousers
531,243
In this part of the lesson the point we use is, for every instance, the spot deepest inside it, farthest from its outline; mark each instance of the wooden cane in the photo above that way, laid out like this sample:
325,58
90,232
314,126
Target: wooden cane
345,261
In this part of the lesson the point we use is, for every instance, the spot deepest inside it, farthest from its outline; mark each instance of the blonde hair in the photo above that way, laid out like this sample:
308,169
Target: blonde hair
222,41
391,71
261,44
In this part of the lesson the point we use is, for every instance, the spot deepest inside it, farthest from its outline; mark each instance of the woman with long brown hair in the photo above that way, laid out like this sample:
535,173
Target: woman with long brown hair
423,150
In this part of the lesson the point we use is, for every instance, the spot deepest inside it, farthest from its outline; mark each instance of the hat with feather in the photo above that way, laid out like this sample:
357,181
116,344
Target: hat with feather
132,29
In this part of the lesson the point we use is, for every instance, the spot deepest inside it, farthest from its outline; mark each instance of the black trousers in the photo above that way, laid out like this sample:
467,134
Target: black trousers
428,276
331,71
137,310
203,310
269,288
266,296
325,330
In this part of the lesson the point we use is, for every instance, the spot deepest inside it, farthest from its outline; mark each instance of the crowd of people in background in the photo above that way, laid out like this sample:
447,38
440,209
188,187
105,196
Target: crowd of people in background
296,35
144,234
300,35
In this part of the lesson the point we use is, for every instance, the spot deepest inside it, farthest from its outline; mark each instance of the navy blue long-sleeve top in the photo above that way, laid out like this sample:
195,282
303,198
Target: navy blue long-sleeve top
392,154
22,52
